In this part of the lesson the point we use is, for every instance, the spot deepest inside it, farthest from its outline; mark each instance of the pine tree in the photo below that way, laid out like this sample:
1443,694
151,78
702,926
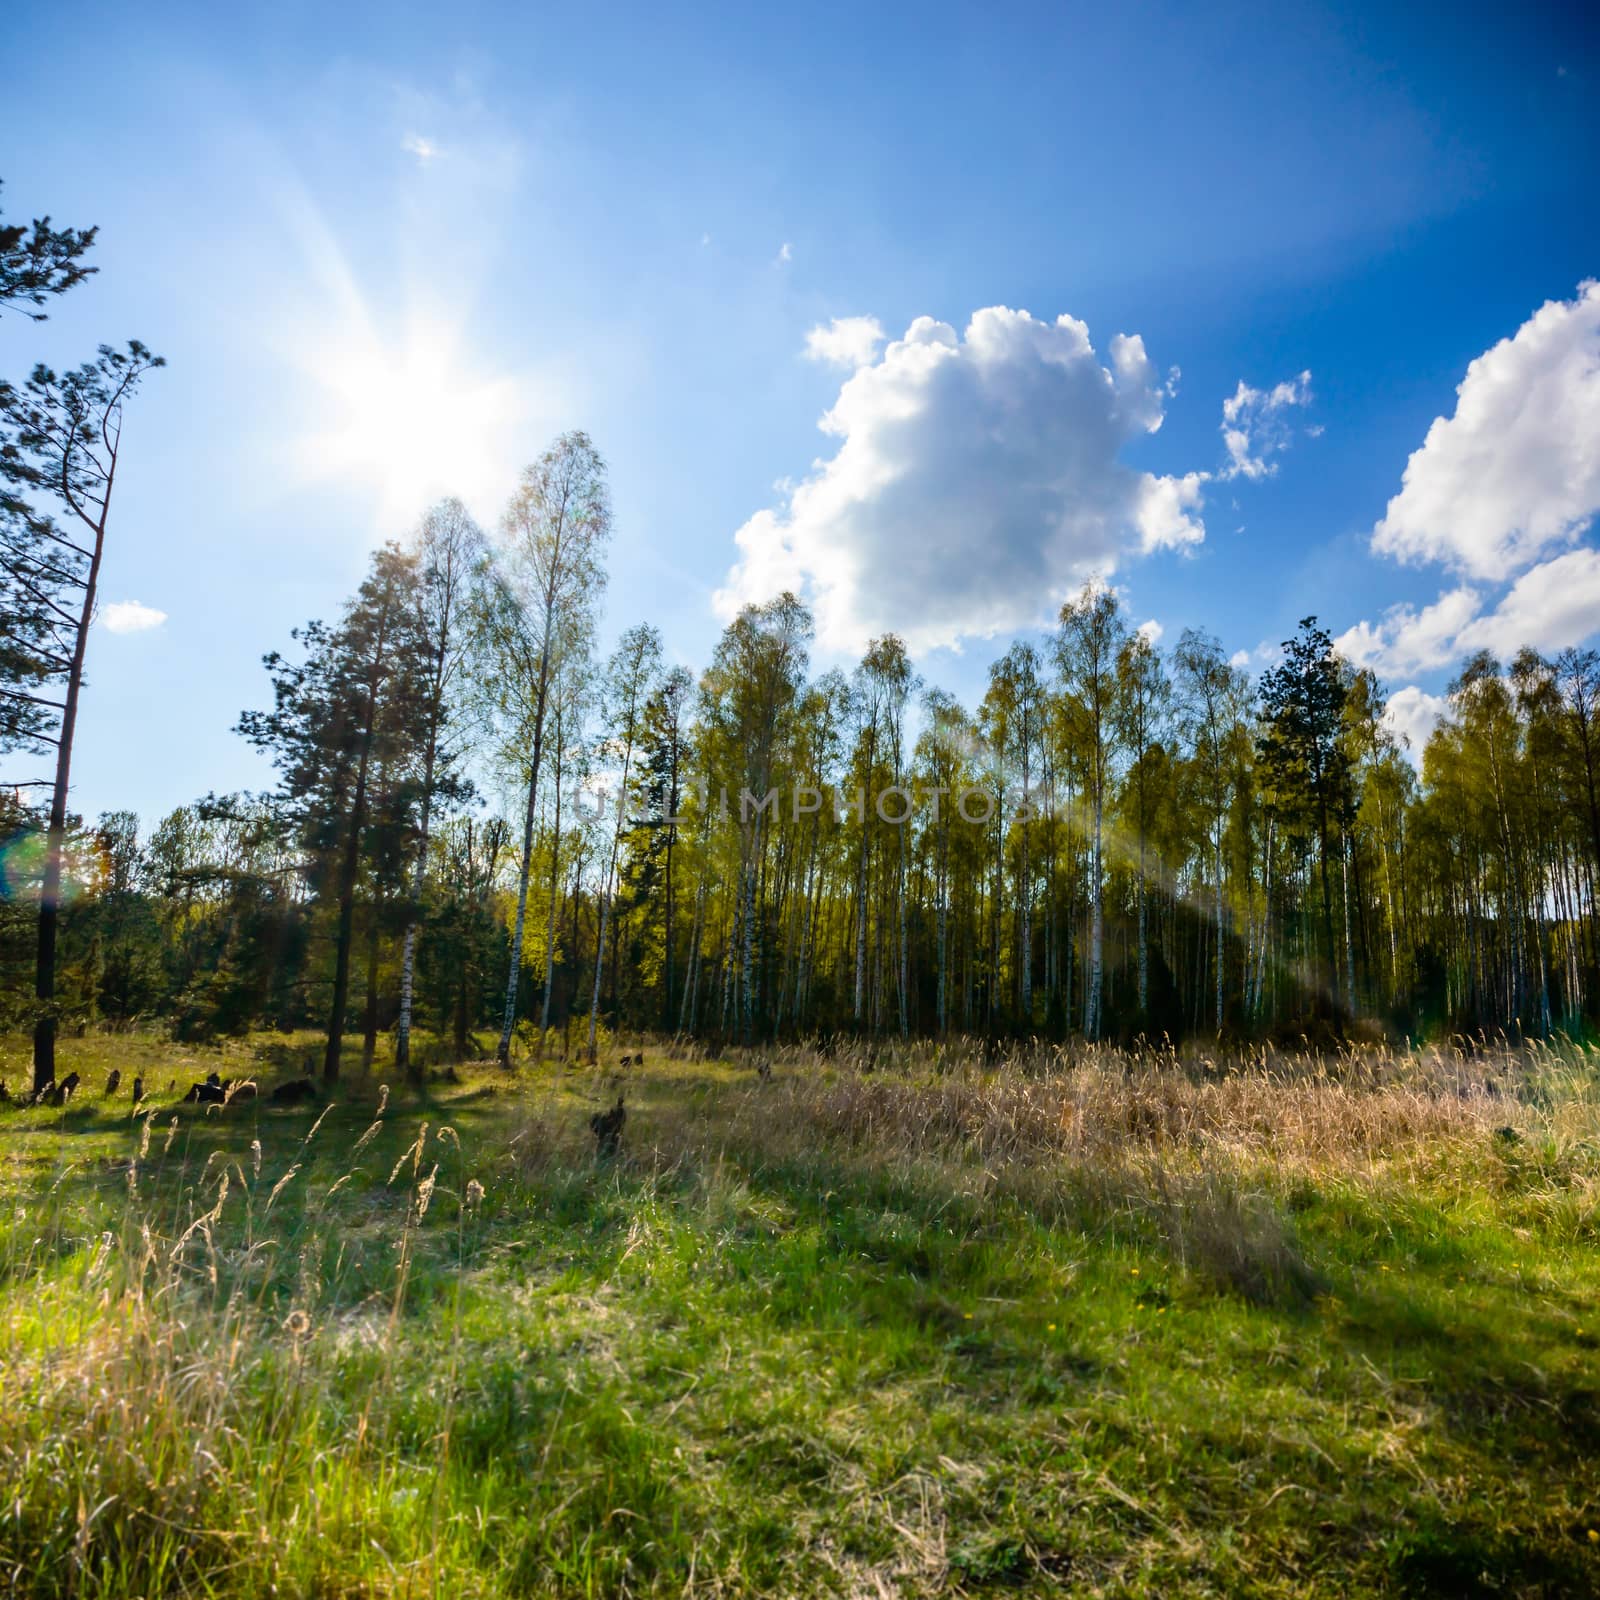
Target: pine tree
1306,768
40,261
344,729
60,441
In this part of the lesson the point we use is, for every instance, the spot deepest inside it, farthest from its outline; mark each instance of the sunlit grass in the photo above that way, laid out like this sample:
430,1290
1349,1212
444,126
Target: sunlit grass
903,1322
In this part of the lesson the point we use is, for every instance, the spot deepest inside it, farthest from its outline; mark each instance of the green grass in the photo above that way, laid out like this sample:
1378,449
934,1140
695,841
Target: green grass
1070,1326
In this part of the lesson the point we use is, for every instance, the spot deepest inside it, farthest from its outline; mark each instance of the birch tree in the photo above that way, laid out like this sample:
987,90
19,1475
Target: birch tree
549,580
569,701
1088,645
1213,696
944,753
630,677
1143,694
449,556
888,685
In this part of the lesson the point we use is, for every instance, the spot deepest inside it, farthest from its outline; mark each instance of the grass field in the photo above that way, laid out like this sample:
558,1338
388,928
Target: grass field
1073,1323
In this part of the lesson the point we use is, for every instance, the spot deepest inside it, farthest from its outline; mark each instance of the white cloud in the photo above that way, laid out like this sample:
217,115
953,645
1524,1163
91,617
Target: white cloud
1254,426
1162,513
978,478
1411,715
1516,471
128,616
1239,658
1408,640
1551,606
1151,631
785,253
845,342
423,149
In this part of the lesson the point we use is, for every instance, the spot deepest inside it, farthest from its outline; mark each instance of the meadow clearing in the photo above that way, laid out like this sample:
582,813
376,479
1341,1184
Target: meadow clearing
884,1323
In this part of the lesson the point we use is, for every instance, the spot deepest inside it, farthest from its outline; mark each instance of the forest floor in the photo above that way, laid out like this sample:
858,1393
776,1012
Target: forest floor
1082,1323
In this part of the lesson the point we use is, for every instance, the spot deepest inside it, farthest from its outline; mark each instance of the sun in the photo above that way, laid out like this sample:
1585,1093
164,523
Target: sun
409,421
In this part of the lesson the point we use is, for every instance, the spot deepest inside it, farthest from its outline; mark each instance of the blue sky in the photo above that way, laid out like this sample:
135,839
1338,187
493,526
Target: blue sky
390,251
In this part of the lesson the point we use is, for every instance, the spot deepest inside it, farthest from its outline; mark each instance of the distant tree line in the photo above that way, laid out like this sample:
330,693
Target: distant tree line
1116,840
482,832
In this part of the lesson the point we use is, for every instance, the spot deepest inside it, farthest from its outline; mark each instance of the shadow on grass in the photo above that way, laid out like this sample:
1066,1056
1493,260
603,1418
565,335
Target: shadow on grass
1441,1559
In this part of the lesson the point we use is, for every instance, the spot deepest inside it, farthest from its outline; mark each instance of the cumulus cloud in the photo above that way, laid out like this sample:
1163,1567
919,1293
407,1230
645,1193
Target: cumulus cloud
1256,427
1516,471
423,149
1151,631
1551,606
845,342
1408,640
1166,514
785,253
128,616
1411,715
978,478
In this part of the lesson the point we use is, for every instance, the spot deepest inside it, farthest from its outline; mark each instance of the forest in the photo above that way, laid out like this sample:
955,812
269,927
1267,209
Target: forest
484,826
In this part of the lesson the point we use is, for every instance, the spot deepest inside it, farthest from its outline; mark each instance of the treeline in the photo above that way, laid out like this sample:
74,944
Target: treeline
1115,840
